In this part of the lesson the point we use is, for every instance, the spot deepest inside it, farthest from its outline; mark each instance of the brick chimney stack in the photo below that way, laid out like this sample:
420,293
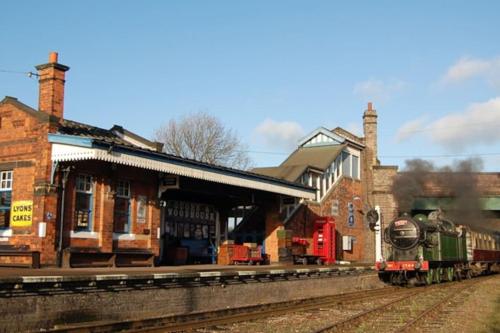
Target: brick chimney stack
370,133
51,85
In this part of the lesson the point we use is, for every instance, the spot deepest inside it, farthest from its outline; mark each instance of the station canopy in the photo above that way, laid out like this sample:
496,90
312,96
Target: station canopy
78,142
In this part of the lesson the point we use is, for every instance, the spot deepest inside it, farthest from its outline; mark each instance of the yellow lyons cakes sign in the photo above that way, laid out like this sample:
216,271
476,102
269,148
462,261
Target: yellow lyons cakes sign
21,214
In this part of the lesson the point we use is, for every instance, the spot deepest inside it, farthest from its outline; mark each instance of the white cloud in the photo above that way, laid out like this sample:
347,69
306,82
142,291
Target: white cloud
479,124
378,90
275,134
410,128
355,128
467,68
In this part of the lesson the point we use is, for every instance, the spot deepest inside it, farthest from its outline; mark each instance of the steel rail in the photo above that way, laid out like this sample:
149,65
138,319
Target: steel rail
351,320
436,306
219,317
356,318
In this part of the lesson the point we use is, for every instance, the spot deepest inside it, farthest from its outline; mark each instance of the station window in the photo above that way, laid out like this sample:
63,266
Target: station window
122,207
83,205
355,167
346,164
5,197
337,166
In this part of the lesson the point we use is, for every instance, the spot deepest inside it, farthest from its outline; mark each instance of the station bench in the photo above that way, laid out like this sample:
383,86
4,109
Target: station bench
133,258
94,257
28,257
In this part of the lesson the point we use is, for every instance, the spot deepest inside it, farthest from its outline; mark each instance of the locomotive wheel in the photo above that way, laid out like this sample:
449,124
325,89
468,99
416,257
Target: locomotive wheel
449,274
458,275
429,277
395,279
438,274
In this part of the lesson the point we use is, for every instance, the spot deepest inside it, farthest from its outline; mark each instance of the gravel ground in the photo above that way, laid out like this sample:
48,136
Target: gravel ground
480,311
477,311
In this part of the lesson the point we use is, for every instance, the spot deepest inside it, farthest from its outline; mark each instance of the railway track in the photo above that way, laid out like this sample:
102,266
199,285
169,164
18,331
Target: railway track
389,309
417,313
190,322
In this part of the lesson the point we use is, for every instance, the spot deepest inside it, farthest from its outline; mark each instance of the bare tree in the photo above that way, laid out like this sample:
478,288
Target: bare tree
204,138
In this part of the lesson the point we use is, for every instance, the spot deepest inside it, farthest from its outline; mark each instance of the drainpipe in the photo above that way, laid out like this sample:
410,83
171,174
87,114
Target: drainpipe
65,174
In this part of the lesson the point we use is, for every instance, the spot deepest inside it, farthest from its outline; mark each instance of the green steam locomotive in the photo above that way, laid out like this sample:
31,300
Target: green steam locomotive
432,249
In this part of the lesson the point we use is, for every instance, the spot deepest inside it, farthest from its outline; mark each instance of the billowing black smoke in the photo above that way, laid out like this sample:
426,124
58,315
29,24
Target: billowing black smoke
421,178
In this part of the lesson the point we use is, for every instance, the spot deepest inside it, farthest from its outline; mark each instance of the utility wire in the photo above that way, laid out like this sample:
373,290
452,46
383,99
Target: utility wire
439,156
385,156
29,74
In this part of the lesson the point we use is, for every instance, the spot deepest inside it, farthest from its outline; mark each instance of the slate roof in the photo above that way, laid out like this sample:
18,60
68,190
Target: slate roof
319,157
291,173
71,127
348,135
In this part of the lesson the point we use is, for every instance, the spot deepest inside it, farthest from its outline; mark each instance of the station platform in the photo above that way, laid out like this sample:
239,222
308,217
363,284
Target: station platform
49,299
43,275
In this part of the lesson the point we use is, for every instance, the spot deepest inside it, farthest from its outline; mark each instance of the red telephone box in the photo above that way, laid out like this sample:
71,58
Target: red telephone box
324,239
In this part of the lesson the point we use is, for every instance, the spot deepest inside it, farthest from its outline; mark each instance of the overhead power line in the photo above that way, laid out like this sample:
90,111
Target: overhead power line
264,152
387,156
439,156
29,74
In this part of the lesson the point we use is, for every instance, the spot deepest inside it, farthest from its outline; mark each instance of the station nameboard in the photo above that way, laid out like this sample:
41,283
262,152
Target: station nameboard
21,213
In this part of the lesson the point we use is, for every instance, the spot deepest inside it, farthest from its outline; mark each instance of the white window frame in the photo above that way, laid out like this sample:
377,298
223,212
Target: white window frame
88,188
357,153
6,181
124,192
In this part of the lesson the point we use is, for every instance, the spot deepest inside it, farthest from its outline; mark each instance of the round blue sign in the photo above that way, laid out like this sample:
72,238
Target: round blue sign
350,220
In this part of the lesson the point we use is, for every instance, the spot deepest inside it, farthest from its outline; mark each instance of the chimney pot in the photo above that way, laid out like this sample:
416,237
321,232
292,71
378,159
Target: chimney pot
370,106
51,86
53,57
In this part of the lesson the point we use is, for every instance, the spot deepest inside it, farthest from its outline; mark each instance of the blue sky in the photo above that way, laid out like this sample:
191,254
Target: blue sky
273,70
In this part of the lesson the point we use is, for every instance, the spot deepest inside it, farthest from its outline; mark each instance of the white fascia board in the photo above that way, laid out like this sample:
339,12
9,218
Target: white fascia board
324,131
63,152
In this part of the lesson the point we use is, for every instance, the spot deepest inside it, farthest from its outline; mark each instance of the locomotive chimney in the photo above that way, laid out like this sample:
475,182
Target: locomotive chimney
51,86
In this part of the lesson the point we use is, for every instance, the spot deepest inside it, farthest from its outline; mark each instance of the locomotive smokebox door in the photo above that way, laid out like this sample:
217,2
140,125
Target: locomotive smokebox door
324,239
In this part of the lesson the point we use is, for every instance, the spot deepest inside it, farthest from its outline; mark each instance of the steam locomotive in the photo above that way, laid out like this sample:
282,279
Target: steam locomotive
432,249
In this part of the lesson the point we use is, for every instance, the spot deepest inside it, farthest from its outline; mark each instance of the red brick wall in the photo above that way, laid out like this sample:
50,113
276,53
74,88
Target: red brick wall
25,150
344,191
105,176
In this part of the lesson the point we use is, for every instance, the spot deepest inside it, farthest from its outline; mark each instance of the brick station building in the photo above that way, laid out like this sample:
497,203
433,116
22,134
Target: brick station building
80,194
340,166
